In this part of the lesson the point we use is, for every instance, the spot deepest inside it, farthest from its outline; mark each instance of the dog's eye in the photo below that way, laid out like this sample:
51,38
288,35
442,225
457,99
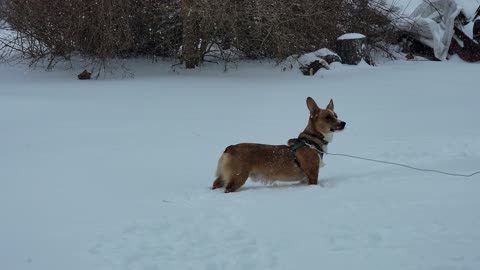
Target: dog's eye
329,117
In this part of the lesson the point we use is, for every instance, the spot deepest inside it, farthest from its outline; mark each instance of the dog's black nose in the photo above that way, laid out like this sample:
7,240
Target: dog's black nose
343,124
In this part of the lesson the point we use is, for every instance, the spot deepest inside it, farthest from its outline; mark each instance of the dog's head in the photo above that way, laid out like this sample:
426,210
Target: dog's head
323,121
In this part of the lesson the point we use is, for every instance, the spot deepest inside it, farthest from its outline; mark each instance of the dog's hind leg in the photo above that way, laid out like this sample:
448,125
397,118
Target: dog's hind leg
236,182
218,183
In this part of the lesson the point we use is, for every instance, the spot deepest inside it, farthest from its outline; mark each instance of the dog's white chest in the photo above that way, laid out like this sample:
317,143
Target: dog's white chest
328,137
324,149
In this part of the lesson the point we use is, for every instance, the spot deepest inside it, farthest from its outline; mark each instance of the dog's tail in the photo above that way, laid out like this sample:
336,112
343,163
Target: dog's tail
222,177
221,165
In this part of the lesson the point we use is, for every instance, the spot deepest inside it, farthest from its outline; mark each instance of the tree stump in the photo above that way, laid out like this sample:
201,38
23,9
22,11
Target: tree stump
352,48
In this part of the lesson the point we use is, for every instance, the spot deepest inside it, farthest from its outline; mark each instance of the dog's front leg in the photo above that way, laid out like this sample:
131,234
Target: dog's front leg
310,169
312,176
310,164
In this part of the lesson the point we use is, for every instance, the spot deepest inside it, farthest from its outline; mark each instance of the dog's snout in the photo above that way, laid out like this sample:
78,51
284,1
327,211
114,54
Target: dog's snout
343,124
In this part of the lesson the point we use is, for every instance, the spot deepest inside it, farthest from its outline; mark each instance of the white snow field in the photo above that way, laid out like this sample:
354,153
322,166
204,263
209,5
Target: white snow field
115,173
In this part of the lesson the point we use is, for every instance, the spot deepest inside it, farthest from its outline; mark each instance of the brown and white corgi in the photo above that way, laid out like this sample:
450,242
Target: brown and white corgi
299,160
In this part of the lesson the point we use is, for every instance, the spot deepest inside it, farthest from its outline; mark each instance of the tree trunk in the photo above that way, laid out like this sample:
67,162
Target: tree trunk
352,48
191,40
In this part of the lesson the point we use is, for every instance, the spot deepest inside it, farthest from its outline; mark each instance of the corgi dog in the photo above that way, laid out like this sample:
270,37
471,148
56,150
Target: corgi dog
299,160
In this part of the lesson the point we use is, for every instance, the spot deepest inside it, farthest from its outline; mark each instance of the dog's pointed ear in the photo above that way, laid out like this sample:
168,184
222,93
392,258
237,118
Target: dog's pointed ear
312,106
330,105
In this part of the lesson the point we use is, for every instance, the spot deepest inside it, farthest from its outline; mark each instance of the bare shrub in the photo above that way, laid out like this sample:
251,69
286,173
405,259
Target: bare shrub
280,28
156,27
97,29
187,29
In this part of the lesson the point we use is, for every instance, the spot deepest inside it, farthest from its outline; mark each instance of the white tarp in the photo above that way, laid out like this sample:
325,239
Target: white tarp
406,7
434,23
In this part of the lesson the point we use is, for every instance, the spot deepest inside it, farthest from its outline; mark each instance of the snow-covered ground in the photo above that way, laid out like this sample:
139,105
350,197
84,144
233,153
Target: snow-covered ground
115,174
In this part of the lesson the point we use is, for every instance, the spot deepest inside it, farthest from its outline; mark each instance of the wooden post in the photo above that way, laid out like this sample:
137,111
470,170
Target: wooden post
352,48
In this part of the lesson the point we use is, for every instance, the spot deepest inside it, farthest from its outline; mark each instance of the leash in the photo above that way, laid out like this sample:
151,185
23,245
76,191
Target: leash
399,164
